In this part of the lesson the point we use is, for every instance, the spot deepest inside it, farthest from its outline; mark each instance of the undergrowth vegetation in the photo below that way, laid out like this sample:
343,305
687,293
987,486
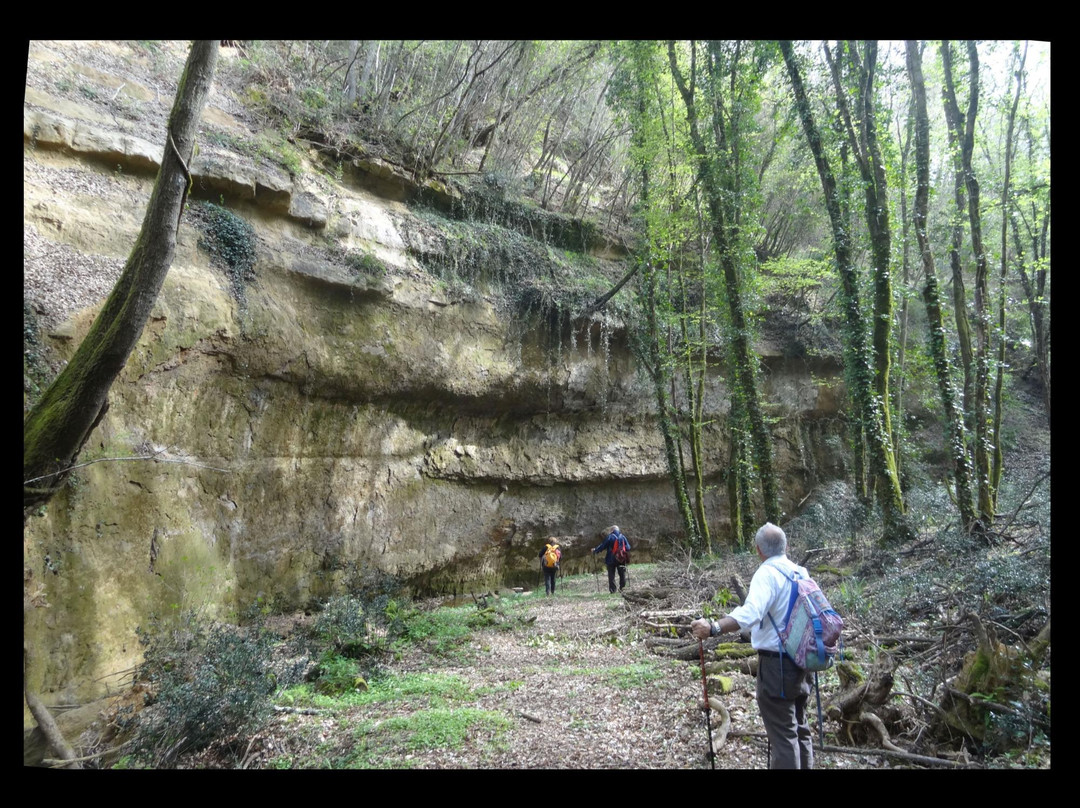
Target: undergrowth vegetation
230,241
213,685
210,682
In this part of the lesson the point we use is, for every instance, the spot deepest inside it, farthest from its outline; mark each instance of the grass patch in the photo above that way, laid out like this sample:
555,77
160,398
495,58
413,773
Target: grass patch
432,689
625,676
437,728
442,631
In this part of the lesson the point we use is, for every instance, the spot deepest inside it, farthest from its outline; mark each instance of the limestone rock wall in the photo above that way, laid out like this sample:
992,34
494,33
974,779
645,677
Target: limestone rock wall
328,423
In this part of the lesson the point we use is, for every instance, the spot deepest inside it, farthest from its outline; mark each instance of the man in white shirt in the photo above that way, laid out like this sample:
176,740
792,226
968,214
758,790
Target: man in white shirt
782,688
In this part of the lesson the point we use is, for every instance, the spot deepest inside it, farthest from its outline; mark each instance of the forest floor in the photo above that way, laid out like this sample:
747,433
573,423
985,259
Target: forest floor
572,681
564,682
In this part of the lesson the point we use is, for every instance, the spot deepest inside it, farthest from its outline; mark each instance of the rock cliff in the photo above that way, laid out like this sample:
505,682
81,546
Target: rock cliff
282,430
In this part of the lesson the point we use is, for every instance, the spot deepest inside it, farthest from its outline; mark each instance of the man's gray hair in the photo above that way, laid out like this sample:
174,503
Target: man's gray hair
771,540
614,528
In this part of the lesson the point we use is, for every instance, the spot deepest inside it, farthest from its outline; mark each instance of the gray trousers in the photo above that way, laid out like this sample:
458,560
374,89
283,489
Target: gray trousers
790,742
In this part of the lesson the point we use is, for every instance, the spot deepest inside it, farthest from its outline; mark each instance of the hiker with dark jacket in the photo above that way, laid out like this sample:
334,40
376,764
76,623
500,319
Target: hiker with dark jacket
549,571
782,688
612,537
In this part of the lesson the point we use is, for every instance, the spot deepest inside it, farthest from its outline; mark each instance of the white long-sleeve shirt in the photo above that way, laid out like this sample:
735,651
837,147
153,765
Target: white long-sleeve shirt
770,590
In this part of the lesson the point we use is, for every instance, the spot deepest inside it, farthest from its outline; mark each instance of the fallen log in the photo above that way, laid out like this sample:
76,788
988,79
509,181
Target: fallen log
747,665
685,652
666,613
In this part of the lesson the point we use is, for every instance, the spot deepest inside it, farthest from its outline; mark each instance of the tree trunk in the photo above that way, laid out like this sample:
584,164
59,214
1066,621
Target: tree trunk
860,363
956,434
998,461
867,152
58,426
964,133
656,363
723,198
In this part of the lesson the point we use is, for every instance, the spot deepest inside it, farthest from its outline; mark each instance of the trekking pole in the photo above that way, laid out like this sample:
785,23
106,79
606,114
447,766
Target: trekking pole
596,574
820,723
708,710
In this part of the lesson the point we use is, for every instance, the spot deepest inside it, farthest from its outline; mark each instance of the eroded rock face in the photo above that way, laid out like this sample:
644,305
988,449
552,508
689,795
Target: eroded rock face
330,422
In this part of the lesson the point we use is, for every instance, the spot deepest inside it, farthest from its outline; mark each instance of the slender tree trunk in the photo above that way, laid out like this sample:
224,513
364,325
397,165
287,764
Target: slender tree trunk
657,364
350,93
984,441
862,136
723,206
955,432
901,356
999,382
1034,286
58,426
858,358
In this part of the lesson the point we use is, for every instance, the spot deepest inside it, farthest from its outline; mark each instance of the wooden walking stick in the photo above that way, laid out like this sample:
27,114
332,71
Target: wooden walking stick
708,710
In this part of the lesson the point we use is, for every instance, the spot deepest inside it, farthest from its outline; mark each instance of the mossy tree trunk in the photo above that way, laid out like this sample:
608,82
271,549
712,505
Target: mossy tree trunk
954,418
962,128
860,125
695,365
656,361
57,427
719,171
866,365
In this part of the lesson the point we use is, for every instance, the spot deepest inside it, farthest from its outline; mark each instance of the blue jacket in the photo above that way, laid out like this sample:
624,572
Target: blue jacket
609,545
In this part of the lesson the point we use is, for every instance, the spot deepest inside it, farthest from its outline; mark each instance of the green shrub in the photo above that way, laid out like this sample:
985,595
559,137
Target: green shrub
209,681
338,675
230,241
341,627
361,264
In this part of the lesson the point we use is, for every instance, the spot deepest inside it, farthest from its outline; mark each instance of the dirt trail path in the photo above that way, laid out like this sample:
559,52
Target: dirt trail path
577,688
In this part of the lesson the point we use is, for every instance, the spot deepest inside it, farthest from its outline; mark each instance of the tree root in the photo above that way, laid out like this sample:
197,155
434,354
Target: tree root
879,725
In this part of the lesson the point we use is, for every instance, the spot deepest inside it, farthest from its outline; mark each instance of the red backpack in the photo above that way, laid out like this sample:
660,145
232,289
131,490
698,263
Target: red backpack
621,550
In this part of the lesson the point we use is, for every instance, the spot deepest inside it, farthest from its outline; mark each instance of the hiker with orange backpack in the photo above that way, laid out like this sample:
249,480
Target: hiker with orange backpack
617,556
550,557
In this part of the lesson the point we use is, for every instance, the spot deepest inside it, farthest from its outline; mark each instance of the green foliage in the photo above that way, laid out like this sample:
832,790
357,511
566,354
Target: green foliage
442,631
364,264
342,627
270,145
851,597
717,606
338,674
209,681
441,728
230,241
627,677
360,625
512,260
428,689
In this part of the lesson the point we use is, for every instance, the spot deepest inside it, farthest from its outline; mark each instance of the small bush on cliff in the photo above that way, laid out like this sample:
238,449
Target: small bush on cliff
231,244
